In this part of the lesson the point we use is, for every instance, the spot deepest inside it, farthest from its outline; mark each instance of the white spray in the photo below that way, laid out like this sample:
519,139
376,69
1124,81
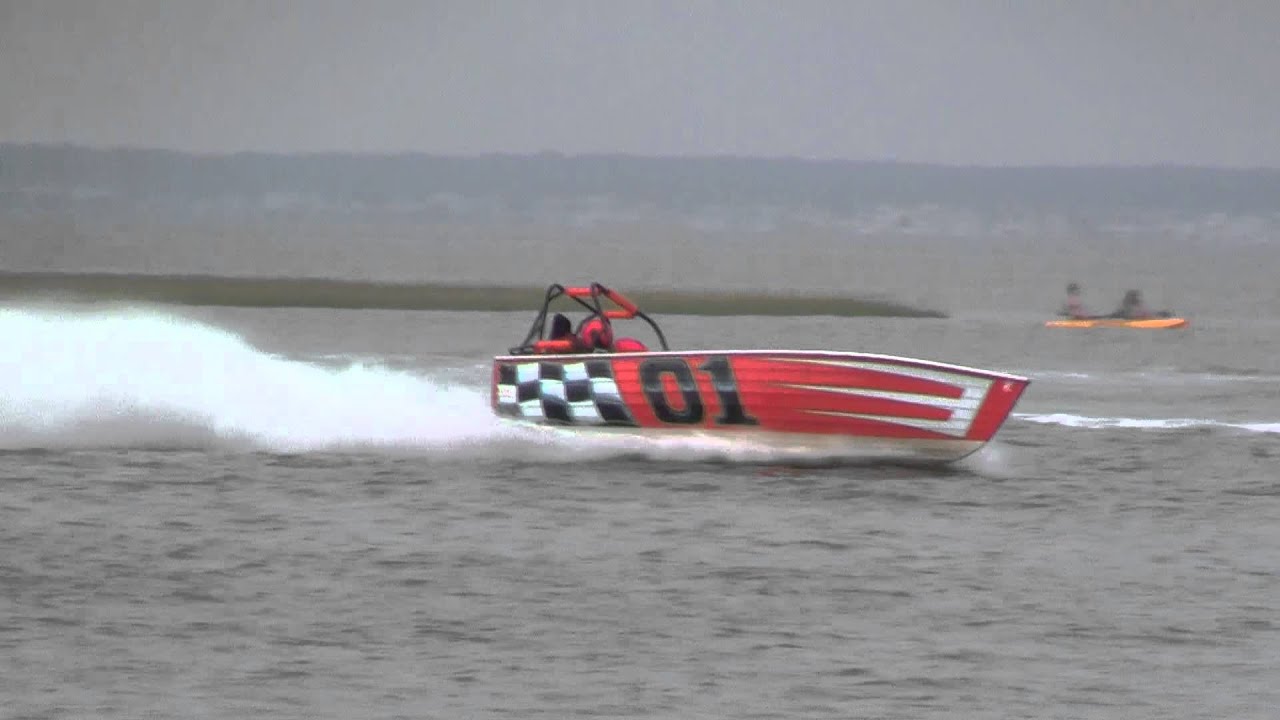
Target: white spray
143,377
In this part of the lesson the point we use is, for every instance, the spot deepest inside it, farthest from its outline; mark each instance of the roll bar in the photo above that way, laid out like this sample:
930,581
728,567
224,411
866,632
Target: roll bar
591,298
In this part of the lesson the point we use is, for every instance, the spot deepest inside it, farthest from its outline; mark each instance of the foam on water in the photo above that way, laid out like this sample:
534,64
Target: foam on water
1161,376
1098,423
143,377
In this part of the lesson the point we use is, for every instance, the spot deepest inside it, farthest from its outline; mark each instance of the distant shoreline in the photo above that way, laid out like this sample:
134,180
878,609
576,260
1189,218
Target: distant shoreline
43,180
160,152
300,292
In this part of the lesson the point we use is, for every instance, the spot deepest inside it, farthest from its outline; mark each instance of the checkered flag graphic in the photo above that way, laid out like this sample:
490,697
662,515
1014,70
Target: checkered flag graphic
576,393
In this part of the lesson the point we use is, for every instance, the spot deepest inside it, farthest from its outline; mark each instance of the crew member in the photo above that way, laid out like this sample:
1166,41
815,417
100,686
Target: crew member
596,334
561,328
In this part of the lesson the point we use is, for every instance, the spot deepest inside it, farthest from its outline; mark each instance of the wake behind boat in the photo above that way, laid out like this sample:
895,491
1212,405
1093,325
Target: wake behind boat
867,405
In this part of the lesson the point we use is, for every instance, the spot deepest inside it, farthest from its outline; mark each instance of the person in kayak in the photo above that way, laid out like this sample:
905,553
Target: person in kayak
1073,307
1132,307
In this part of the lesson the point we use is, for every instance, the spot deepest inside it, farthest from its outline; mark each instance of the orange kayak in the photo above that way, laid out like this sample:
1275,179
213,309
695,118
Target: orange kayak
1157,323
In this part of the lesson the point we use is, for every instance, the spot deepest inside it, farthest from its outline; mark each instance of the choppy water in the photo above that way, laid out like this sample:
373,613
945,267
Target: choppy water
313,514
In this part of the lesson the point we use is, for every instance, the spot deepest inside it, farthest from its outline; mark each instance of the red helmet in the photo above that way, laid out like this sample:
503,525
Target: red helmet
596,333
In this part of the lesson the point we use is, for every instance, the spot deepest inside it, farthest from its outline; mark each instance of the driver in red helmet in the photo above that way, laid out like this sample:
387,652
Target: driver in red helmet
595,334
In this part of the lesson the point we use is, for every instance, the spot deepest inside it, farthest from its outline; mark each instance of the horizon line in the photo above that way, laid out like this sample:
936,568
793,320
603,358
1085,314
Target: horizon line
557,154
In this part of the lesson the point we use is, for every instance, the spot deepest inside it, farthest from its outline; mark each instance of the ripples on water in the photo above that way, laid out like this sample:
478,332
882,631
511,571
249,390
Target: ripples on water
232,518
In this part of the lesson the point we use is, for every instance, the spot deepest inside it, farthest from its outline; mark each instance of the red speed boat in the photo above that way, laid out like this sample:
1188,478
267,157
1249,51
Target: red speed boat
866,405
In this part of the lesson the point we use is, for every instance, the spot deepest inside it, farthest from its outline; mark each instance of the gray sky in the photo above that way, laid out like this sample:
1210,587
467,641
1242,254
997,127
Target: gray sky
951,81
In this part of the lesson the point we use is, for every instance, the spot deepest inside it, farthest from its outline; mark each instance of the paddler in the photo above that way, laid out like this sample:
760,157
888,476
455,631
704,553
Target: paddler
1073,307
1132,307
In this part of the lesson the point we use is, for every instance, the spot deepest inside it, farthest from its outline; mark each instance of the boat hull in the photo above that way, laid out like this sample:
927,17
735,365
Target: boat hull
865,405
1163,323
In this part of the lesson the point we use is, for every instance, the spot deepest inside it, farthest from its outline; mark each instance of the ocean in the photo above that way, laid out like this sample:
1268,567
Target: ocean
283,513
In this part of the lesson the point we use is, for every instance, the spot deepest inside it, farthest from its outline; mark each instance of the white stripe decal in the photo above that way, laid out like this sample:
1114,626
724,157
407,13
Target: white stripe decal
973,391
956,426
961,403
941,376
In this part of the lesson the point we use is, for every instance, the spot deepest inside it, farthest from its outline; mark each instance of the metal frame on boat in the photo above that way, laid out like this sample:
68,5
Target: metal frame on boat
591,298
859,404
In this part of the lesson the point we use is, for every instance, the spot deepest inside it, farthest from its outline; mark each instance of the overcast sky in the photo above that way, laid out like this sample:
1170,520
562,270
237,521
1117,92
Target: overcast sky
950,81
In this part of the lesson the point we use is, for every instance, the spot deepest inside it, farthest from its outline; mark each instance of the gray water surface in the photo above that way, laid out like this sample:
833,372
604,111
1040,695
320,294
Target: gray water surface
313,514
